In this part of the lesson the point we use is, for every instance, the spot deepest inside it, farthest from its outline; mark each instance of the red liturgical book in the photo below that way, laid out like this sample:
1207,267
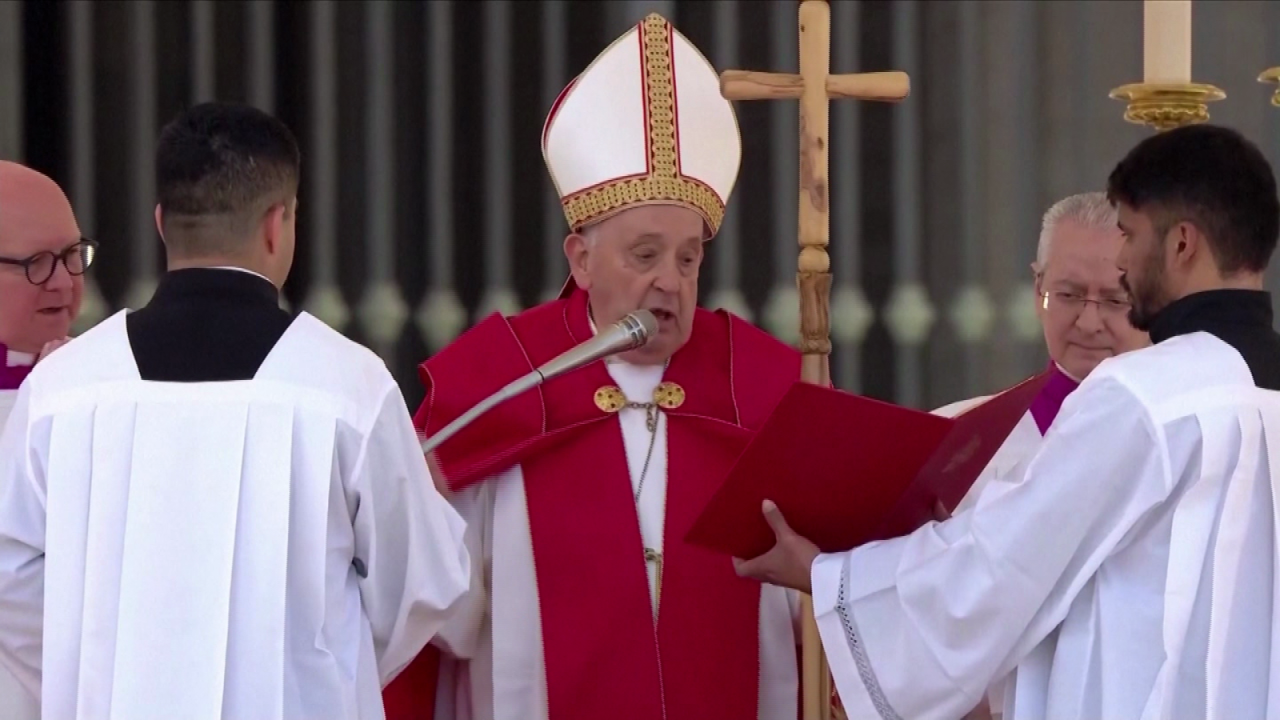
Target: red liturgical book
846,470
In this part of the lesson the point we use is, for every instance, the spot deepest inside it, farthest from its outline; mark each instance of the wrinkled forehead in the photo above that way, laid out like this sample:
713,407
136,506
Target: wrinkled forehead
35,215
657,222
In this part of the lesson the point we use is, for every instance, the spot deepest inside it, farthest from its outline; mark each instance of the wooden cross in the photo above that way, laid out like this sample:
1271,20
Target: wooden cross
814,86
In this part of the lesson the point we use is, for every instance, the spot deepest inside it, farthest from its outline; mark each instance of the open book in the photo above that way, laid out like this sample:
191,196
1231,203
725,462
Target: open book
847,470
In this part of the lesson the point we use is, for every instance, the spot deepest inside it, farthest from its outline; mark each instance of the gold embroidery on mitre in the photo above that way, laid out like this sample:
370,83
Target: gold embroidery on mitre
669,396
610,399
663,181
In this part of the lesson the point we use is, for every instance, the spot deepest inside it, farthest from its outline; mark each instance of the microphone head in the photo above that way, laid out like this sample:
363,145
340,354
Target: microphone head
639,326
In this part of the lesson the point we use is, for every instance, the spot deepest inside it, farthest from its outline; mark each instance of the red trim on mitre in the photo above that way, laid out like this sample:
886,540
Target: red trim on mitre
597,626
555,109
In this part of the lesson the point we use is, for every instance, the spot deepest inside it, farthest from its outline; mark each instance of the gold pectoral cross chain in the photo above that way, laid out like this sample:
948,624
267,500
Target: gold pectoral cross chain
668,395
650,555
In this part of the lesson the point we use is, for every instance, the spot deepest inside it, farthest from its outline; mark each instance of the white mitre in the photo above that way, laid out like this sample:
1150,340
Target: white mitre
644,124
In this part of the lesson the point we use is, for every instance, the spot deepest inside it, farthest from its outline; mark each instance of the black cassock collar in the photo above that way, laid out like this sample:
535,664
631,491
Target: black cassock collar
1240,318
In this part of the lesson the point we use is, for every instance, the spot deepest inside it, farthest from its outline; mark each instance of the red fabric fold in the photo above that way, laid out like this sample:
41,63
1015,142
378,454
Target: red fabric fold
603,653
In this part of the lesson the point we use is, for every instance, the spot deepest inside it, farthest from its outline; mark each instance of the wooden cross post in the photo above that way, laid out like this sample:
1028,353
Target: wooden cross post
814,86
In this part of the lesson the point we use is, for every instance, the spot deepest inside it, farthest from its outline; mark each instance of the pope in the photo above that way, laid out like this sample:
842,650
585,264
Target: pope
578,494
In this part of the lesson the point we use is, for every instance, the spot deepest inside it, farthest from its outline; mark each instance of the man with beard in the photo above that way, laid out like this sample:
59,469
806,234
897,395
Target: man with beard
1132,573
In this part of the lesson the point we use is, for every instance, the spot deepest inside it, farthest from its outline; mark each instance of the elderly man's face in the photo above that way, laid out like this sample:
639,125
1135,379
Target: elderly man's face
1082,306
648,258
35,217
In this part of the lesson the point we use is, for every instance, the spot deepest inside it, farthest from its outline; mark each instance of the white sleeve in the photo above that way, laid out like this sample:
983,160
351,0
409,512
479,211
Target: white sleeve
460,635
22,536
409,545
919,626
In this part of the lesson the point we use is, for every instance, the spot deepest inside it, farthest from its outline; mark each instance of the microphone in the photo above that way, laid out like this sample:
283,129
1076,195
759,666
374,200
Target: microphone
628,333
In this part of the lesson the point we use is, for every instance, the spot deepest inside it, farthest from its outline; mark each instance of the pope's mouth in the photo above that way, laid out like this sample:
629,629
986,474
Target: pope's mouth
53,311
664,316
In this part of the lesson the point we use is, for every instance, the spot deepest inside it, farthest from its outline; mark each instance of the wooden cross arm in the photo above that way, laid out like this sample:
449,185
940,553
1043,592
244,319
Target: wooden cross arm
892,86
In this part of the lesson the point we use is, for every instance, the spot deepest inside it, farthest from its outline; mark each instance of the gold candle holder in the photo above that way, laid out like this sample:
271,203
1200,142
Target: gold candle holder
1167,106
1272,76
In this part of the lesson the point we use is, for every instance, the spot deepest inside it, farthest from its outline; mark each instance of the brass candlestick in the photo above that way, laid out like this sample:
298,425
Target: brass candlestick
1167,106
1272,76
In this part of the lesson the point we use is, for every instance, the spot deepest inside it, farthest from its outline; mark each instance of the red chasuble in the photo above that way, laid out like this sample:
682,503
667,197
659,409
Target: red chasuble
600,646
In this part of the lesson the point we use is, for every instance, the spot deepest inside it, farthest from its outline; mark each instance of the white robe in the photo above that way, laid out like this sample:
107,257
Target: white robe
497,665
16,702
1022,443
1143,532
270,549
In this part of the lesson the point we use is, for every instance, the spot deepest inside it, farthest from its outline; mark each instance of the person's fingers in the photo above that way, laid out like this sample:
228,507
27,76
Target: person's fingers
50,346
773,516
747,568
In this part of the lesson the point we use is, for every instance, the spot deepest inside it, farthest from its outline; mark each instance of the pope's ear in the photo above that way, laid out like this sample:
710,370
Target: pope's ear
576,250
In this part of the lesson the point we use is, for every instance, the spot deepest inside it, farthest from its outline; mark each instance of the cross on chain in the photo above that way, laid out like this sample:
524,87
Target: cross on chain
814,86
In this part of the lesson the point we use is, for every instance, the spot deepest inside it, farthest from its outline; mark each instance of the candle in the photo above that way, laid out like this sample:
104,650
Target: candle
1166,41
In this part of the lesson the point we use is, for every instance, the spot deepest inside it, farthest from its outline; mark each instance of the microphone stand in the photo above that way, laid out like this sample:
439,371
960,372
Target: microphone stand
527,382
628,333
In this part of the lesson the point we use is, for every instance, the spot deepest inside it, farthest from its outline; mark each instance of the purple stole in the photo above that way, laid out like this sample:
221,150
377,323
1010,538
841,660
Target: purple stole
1046,405
11,376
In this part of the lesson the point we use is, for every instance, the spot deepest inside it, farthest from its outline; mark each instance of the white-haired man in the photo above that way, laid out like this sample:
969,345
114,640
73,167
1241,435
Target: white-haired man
600,472
1084,313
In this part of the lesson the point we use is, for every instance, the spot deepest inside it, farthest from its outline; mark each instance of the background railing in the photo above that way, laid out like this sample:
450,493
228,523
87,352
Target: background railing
426,205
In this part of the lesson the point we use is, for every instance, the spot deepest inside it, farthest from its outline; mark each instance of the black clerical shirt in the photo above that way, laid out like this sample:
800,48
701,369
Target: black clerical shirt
1239,318
206,324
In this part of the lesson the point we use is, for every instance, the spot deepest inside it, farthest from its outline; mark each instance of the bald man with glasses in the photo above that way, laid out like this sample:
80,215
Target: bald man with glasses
43,258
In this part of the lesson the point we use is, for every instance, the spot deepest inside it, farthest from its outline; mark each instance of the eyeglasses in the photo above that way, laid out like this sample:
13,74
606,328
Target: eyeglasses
40,267
1075,302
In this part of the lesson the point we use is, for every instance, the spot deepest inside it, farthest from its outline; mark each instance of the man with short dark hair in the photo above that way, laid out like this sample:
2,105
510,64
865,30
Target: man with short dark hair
1133,572
213,509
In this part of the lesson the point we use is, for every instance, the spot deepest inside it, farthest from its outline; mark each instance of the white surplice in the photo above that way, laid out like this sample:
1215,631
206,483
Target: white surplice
493,652
1005,465
16,702
1143,532
270,549
1022,443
